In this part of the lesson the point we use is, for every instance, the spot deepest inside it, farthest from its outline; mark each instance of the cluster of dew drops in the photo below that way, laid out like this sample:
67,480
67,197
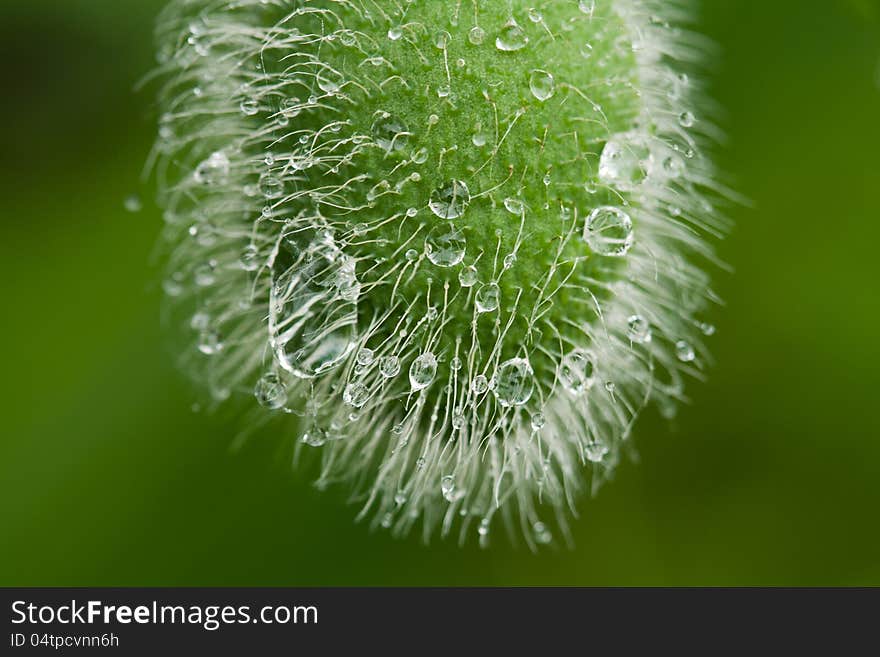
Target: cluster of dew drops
626,161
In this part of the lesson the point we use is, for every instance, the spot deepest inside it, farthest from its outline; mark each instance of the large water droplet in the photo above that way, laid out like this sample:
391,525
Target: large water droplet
595,451
577,371
609,231
422,371
447,488
450,200
514,382
313,307
445,246
542,85
512,37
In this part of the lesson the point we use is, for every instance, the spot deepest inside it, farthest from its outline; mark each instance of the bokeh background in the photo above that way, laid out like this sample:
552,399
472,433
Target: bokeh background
108,476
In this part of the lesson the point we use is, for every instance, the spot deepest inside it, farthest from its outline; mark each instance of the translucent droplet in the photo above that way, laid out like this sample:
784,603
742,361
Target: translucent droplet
625,161
447,488
595,451
389,366
422,371
467,277
411,254
249,107
514,382
133,203
577,371
313,308
587,7
455,364
480,384
445,246
514,206
210,343
442,39
214,170
638,329
420,156
477,35
542,534
315,437
487,298
512,37
271,392
355,394
395,33
538,422
685,352
250,258
390,134
509,260
686,119
366,357
450,200
270,186
609,231
542,85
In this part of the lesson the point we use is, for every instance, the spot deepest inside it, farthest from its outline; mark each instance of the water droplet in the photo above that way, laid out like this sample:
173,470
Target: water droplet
249,107
535,15
133,203
271,392
625,161
707,329
477,35
514,206
422,371
366,357
638,329
355,394
480,385
447,488
595,451
214,170
509,260
315,437
390,134
455,364
609,231
587,7
487,298
539,420
577,371
542,85
270,186
313,308
512,37
250,258
687,120
685,352
450,200
467,277
395,33
442,39
445,246
514,382
542,534
389,366
210,343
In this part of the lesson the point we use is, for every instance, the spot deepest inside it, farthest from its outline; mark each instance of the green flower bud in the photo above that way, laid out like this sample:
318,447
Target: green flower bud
462,239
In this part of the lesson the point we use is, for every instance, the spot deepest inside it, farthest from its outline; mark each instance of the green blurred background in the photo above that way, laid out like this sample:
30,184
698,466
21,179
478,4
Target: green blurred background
107,476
